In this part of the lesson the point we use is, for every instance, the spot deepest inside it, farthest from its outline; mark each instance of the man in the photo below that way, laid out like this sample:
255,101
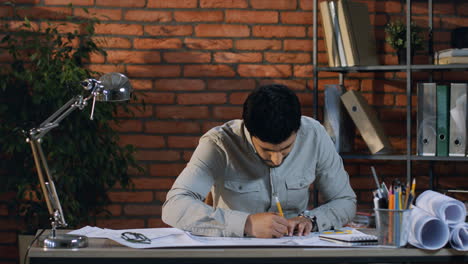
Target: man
272,152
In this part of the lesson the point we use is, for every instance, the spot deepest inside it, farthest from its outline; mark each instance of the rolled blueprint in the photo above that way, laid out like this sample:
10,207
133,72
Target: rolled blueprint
459,237
446,208
427,231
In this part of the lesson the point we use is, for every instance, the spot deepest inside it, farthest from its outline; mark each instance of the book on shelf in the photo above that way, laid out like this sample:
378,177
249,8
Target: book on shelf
338,35
451,53
336,121
330,40
452,60
366,121
426,136
458,119
443,101
357,33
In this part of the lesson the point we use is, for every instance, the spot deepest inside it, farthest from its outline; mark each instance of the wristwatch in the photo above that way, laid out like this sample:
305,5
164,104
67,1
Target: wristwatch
312,218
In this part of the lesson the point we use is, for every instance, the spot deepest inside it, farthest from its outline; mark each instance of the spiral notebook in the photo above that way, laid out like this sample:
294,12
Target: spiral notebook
350,239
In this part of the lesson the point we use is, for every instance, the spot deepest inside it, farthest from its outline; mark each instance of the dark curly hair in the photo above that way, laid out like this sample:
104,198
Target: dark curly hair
272,113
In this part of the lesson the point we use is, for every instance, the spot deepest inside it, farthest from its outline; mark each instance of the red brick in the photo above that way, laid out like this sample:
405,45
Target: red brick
182,142
143,141
112,209
201,98
130,197
156,223
208,44
145,43
153,71
134,209
223,30
52,13
278,31
206,127
298,44
258,44
275,57
166,30
148,16
306,4
128,126
227,113
225,85
155,155
172,4
10,252
231,57
73,2
237,98
154,183
302,18
182,112
277,4
166,170
9,238
124,223
132,56
118,29
303,71
106,68
223,4
198,16
3,210
297,85
121,3
159,98
142,84
101,14
109,42
187,57
6,11
255,70
208,71
442,8
251,17
160,196
179,85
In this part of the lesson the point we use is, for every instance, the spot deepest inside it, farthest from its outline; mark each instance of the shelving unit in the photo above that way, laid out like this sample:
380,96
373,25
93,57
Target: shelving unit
408,68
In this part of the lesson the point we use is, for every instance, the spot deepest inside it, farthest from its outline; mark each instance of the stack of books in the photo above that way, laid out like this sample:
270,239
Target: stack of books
451,56
349,36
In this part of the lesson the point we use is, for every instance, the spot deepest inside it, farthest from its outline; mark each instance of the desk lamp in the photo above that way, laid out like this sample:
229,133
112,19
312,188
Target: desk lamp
111,87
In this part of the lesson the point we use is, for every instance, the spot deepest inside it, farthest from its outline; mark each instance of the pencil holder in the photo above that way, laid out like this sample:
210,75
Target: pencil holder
392,227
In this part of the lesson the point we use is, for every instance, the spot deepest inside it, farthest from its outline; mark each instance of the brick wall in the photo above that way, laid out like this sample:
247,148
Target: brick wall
194,62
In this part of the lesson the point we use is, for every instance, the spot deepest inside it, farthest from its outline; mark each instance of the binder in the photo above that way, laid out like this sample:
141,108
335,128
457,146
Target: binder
337,122
426,119
357,33
443,100
458,119
366,121
337,32
330,41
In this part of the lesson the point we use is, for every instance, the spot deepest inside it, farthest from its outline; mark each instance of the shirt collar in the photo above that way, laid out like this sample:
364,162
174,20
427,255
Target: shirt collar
249,138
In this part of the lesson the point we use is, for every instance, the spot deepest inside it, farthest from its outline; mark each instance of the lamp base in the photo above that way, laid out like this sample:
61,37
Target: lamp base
64,241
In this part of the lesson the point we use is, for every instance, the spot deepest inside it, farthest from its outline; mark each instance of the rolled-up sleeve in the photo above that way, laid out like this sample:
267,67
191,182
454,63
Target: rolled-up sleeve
184,207
332,181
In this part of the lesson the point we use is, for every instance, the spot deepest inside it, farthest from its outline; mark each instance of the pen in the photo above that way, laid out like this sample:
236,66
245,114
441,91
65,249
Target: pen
375,177
280,210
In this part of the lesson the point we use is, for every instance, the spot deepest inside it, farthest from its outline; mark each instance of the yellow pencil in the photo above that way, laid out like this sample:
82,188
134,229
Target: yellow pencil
413,187
280,210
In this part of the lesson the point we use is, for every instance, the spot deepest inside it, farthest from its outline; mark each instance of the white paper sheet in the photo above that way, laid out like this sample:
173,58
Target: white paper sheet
427,231
444,207
173,237
459,237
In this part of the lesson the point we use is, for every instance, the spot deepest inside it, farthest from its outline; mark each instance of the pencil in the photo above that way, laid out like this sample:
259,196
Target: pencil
280,210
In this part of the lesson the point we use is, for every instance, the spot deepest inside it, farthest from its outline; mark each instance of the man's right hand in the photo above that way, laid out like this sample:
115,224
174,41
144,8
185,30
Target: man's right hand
266,225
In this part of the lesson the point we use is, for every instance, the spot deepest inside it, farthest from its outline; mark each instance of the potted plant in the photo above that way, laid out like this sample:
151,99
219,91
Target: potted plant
44,72
396,37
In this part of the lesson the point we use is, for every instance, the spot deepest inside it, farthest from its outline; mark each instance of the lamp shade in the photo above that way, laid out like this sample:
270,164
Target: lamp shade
116,87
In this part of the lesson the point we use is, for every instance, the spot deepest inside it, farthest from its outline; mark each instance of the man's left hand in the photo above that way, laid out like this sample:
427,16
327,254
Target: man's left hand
299,226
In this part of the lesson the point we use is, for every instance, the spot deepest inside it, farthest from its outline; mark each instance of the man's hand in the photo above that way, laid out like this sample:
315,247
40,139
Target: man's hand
299,226
266,225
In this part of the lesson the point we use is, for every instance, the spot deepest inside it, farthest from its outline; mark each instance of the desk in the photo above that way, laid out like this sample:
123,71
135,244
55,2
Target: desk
104,251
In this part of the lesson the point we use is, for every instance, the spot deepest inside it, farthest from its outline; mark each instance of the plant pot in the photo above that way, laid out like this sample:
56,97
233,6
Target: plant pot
402,56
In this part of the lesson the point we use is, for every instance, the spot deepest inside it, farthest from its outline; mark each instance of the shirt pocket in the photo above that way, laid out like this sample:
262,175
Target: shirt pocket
242,195
297,190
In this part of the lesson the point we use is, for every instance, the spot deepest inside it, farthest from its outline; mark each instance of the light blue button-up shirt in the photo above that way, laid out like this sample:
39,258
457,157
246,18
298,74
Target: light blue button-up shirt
225,163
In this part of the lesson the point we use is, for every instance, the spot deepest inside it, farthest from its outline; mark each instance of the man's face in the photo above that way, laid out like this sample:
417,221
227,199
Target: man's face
274,154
